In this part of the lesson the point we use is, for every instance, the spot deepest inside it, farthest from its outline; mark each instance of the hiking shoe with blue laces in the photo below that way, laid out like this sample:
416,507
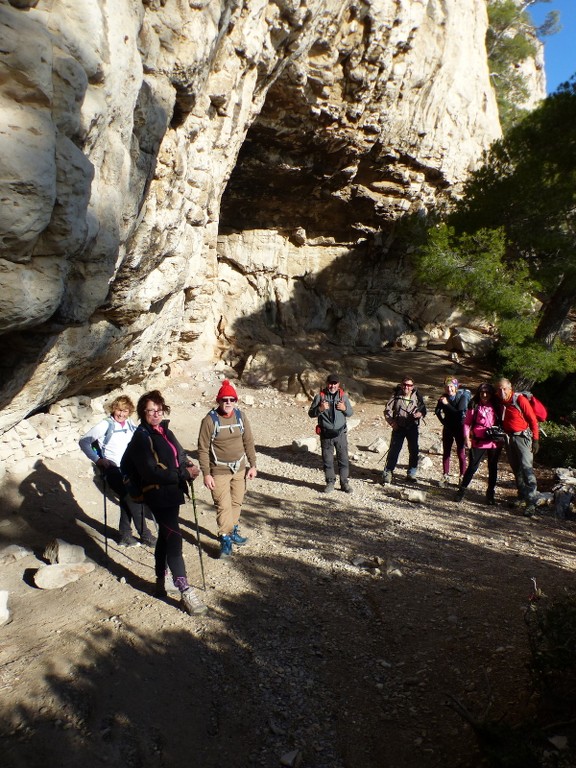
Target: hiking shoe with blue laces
237,538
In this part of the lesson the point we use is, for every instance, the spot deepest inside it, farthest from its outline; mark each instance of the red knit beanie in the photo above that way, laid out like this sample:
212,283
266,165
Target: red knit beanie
226,390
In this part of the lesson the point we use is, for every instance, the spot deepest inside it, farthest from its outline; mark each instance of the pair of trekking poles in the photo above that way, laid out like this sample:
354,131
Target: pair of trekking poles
198,544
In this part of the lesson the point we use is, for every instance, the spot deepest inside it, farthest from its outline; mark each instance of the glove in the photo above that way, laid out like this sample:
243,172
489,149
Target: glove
535,447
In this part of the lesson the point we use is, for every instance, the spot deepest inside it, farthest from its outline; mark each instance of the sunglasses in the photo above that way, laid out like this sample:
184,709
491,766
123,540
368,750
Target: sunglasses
228,399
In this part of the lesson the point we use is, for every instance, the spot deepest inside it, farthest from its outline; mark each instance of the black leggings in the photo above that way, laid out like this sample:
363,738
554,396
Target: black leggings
475,456
128,514
168,550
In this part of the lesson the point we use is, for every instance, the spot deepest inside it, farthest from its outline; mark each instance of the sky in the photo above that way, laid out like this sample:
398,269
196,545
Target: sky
559,49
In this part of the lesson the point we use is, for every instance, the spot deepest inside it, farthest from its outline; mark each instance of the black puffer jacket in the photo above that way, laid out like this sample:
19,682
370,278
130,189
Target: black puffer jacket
163,476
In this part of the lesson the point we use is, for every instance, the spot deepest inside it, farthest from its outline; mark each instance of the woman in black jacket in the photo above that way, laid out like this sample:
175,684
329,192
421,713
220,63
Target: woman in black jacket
163,471
451,411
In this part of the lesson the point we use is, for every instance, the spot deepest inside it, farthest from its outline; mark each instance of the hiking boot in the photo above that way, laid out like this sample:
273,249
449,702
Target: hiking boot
387,477
169,586
490,499
148,539
237,538
127,540
346,487
191,603
225,546
412,474
444,482
460,494
329,486
530,510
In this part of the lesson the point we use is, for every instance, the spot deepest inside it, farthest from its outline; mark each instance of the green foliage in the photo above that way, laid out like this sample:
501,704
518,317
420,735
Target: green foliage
473,267
527,185
527,182
510,40
523,357
558,447
477,270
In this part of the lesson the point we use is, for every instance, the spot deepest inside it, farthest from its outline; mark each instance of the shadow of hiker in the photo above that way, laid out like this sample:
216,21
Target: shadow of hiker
289,480
49,508
287,455
310,460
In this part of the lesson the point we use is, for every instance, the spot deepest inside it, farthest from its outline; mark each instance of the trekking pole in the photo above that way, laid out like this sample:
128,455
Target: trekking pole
191,484
103,476
384,457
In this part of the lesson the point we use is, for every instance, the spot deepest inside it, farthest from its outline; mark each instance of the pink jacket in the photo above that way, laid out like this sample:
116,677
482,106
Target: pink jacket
475,423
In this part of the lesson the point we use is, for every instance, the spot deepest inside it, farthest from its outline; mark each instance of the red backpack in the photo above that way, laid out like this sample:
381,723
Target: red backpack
540,410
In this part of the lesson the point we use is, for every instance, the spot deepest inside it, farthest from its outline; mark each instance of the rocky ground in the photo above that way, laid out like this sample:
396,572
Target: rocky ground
337,637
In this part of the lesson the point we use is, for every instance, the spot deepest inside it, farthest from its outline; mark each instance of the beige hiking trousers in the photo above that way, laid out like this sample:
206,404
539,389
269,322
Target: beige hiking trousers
228,495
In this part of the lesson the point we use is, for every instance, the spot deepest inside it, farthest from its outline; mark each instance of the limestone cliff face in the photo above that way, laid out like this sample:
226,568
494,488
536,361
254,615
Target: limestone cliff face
182,179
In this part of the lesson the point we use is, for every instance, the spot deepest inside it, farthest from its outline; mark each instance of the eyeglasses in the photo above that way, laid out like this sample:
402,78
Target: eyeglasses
228,399
153,412
405,384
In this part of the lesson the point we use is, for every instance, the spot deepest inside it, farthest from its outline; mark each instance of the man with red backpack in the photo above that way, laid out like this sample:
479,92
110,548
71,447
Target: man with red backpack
520,424
332,407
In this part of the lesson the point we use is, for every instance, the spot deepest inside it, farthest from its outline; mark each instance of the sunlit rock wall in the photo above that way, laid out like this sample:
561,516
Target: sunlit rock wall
184,179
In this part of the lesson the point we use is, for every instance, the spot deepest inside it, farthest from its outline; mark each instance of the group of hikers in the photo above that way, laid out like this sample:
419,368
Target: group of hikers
495,418
150,473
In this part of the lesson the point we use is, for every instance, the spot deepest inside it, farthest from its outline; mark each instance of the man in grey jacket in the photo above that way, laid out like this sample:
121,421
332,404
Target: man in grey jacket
332,407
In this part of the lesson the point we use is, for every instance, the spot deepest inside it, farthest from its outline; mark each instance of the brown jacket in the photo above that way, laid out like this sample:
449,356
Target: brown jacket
228,446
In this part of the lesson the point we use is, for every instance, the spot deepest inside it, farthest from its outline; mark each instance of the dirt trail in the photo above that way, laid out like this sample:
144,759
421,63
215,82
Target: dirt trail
304,654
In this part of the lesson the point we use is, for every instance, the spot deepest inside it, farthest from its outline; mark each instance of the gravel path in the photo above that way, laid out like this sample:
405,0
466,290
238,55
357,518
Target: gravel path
334,637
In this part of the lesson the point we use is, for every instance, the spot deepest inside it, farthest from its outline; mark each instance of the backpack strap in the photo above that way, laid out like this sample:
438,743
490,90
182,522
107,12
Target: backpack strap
514,403
323,394
99,445
233,466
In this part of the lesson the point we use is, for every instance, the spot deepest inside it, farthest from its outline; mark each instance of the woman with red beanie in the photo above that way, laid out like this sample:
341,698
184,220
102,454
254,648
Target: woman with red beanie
227,458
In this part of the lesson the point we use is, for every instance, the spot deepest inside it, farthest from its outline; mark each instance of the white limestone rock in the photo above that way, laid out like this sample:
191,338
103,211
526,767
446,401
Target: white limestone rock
13,552
60,551
59,575
380,445
4,611
305,444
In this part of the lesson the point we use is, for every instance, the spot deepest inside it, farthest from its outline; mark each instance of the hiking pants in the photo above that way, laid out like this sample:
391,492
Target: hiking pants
519,452
453,435
168,550
129,510
340,445
474,458
410,434
228,496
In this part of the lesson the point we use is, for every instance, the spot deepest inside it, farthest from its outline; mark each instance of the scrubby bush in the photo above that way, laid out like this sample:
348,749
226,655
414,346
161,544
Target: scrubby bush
558,446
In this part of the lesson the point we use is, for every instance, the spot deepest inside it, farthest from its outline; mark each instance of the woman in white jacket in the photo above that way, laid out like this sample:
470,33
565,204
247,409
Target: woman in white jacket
104,445
480,417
